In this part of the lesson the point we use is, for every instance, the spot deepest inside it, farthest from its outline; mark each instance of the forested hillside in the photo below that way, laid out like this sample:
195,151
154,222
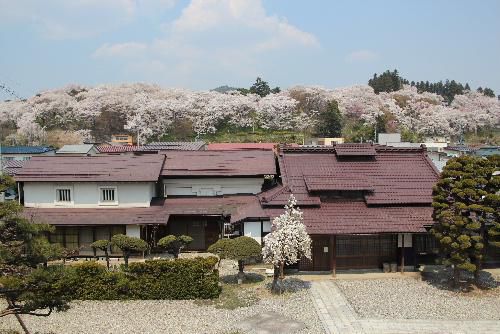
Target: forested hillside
259,113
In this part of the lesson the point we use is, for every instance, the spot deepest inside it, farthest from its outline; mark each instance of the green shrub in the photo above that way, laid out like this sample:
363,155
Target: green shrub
128,244
175,244
104,246
156,279
242,249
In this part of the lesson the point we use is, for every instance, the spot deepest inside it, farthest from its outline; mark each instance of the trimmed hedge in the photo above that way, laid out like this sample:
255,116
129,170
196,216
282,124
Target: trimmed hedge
156,279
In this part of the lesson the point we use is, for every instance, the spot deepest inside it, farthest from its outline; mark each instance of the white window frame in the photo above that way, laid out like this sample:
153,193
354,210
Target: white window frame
64,203
105,203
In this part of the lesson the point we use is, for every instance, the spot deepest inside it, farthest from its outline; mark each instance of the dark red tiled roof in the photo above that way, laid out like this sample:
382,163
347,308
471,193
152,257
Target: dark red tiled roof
93,216
355,150
219,163
395,176
94,168
246,206
355,217
341,182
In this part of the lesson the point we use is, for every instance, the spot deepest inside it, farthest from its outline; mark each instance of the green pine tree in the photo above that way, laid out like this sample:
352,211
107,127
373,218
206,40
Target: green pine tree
466,212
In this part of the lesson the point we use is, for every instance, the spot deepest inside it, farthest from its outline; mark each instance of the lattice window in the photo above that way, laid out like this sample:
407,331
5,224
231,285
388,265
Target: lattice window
63,195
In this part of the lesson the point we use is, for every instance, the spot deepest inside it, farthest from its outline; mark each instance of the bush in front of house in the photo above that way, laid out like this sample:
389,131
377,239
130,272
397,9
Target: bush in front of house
179,279
175,244
128,244
242,249
156,279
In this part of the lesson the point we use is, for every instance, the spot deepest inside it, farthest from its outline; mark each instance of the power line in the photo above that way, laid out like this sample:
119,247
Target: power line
10,91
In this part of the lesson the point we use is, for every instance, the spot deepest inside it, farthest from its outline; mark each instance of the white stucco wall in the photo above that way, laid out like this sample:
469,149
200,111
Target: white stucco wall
212,186
87,194
133,231
253,229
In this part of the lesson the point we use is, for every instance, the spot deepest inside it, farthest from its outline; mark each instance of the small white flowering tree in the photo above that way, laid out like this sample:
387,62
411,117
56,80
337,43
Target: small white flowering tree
287,242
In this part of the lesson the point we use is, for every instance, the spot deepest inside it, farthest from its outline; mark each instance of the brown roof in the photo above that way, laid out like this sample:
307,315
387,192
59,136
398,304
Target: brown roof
246,206
393,176
219,163
93,216
355,150
95,168
355,217
341,182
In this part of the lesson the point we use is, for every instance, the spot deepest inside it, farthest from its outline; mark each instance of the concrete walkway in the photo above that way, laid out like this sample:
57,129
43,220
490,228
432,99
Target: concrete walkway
338,317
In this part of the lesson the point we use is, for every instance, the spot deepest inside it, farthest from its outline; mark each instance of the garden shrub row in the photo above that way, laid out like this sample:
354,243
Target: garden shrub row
156,279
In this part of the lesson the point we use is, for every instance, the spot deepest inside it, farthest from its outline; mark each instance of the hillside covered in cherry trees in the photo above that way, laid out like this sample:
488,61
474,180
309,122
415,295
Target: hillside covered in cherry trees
155,113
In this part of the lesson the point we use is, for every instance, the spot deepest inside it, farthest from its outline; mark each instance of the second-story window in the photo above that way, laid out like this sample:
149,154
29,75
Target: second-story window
108,195
63,195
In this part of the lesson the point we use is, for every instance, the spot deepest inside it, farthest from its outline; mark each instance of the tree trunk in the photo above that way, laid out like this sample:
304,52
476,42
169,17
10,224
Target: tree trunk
18,317
277,286
456,276
241,274
125,258
107,258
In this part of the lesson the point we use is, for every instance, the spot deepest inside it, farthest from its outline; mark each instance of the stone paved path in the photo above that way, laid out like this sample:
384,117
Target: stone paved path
338,317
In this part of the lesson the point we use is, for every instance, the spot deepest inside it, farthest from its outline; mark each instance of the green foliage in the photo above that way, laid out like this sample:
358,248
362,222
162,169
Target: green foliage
175,244
261,88
101,245
157,279
331,121
6,182
242,249
466,208
245,249
221,248
128,245
23,246
386,82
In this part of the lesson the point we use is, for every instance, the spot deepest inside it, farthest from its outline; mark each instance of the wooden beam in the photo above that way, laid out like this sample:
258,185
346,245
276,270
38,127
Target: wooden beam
334,255
402,253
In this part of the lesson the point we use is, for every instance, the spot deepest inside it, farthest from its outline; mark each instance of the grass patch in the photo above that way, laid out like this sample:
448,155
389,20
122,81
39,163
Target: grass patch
231,297
250,278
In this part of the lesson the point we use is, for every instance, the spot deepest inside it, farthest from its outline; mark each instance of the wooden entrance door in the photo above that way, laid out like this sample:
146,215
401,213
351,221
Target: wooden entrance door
321,255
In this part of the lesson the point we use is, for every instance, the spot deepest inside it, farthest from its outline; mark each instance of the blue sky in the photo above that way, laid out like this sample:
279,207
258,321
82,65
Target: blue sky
201,44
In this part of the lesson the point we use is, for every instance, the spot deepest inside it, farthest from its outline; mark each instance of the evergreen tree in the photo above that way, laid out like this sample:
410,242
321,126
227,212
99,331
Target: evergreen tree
260,87
331,121
466,206
488,92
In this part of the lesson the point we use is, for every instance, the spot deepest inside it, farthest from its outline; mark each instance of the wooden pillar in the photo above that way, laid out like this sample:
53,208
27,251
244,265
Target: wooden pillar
402,253
333,245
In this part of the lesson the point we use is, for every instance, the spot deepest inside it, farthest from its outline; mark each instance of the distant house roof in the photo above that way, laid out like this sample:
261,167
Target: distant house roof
177,145
241,146
25,149
157,146
219,163
95,168
12,167
75,149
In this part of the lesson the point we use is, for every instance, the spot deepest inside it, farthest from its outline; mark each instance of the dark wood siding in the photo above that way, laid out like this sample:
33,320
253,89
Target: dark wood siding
365,251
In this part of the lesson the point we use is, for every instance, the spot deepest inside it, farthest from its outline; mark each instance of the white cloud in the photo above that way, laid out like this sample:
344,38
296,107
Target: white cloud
73,19
129,49
215,38
362,56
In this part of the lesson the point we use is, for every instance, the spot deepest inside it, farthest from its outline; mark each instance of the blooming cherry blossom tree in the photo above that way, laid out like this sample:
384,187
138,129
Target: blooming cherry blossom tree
287,242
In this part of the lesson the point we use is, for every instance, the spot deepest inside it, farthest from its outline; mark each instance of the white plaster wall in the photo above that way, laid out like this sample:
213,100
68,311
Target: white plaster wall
212,186
133,231
253,230
408,239
87,194
266,226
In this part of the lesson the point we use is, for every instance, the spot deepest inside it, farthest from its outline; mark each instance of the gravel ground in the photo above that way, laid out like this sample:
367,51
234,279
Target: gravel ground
173,317
415,299
177,317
